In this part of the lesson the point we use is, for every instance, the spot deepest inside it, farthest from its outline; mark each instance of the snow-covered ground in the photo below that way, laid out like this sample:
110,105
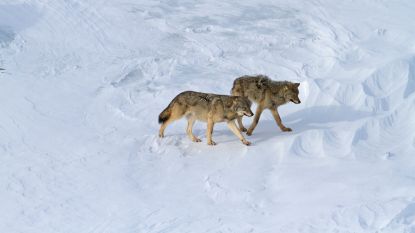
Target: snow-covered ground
84,81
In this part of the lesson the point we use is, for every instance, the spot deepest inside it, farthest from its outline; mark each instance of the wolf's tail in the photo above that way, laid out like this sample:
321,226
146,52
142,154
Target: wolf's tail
165,114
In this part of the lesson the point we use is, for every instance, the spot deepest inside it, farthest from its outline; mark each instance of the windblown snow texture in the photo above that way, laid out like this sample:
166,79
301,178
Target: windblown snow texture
82,84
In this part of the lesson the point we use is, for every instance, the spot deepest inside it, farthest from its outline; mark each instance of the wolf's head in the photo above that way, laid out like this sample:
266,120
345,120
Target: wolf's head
242,106
290,93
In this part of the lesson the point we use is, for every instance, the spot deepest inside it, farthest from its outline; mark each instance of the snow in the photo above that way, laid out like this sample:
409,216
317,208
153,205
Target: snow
82,84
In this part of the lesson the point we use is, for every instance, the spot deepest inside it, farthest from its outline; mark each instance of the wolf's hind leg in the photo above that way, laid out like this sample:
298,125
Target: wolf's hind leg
258,112
190,122
277,118
241,126
232,126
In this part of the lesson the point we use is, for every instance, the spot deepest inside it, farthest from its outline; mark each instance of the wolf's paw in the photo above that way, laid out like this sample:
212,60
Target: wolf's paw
249,132
211,143
245,142
196,139
161,135
285,129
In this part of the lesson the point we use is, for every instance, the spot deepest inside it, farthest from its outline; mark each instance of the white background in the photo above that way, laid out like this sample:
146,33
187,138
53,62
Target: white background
84,82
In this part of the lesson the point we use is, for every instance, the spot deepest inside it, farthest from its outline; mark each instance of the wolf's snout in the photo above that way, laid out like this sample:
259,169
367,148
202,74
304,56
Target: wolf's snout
295,101
249,114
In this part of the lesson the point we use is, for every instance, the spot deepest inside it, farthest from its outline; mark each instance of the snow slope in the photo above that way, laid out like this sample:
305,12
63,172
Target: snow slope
84,81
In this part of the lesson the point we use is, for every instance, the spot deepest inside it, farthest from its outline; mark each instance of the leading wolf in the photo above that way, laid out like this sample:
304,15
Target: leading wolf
268,94
211,108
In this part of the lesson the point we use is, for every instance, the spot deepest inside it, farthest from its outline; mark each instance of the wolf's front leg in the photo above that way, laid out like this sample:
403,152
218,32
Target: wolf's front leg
241,126
277,118
232,126
209,131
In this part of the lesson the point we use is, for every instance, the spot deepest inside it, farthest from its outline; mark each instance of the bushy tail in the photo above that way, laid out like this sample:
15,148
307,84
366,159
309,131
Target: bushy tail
165,114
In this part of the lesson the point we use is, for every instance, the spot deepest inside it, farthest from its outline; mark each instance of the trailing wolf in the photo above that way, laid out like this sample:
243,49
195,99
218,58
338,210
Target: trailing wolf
268,94
210,108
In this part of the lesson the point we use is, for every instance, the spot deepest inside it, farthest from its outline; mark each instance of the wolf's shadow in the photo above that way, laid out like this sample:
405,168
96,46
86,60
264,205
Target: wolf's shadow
319,117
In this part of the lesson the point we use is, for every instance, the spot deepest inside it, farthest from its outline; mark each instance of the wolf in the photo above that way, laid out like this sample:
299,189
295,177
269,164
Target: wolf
207,107
268,94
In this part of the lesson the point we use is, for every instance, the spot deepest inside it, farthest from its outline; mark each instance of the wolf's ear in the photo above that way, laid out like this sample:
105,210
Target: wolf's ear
262,83
234,103
248,101
296,84
235,100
